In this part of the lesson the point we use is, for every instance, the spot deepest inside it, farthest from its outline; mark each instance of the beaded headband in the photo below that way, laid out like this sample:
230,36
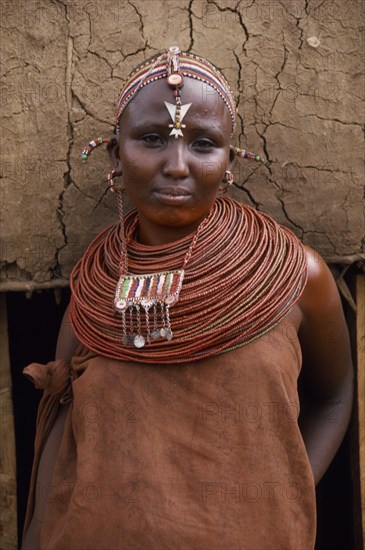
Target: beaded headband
178,63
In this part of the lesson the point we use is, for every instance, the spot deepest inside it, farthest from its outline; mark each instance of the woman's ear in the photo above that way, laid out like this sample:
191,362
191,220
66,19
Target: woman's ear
113,150
232,156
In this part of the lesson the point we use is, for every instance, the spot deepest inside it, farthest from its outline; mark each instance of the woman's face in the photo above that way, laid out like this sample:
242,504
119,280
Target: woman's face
173,182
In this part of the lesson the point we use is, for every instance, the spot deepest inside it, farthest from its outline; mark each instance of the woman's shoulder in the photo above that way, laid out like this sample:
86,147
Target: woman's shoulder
320,290
323,330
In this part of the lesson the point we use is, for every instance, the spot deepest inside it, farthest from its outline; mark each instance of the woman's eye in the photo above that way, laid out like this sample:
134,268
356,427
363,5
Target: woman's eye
152,139
203,143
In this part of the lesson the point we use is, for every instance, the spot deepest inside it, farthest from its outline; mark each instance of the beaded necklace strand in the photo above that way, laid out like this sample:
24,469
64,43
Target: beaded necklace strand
243,274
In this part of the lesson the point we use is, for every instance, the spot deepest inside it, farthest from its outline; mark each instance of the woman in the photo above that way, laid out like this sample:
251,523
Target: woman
190,319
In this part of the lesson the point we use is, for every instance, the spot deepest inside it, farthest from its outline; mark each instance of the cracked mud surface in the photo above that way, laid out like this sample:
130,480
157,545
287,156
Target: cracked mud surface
296,69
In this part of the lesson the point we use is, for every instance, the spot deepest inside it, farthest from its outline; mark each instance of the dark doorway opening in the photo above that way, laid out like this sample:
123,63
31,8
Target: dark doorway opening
33,325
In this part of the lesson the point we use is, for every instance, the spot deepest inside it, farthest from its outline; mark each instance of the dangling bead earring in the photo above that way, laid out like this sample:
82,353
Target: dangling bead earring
111,177
227,180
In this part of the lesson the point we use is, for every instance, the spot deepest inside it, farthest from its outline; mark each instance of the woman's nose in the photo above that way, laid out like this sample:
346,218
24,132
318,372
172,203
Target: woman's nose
176,165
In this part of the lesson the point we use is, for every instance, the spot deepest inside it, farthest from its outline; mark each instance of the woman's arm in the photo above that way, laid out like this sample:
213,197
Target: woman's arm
327,373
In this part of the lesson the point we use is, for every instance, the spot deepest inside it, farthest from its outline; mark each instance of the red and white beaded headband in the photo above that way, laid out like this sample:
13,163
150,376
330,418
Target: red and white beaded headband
174,62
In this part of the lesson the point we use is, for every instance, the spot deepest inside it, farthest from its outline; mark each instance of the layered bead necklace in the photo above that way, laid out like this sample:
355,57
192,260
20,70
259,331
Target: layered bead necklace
236,277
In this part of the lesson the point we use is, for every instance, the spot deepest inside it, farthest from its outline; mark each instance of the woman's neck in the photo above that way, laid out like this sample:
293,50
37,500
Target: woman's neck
151,234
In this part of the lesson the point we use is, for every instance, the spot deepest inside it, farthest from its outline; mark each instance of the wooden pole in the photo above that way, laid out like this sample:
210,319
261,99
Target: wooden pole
8,511
360,332
31,286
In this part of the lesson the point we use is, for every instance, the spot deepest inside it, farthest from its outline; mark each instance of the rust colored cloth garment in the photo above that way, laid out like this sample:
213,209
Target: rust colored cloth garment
204,455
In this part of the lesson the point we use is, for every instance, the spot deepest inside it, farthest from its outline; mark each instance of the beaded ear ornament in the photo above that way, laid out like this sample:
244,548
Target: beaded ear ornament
90,146
157,292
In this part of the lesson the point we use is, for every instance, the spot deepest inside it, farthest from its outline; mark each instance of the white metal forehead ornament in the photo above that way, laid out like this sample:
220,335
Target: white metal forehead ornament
177,113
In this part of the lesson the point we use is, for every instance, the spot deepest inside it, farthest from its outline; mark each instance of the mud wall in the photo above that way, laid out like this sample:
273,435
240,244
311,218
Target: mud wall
296,68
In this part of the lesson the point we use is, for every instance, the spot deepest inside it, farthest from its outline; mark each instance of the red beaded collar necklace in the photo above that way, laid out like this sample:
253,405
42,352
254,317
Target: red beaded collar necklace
244,274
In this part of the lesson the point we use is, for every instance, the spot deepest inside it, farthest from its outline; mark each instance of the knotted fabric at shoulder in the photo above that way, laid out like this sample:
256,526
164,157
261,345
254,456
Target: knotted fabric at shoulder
54,378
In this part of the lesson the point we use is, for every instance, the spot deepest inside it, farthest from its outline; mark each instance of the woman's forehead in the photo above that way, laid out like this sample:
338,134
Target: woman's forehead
150,101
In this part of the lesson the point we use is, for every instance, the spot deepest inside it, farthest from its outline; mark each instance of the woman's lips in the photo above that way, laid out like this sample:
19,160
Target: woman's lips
172,195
